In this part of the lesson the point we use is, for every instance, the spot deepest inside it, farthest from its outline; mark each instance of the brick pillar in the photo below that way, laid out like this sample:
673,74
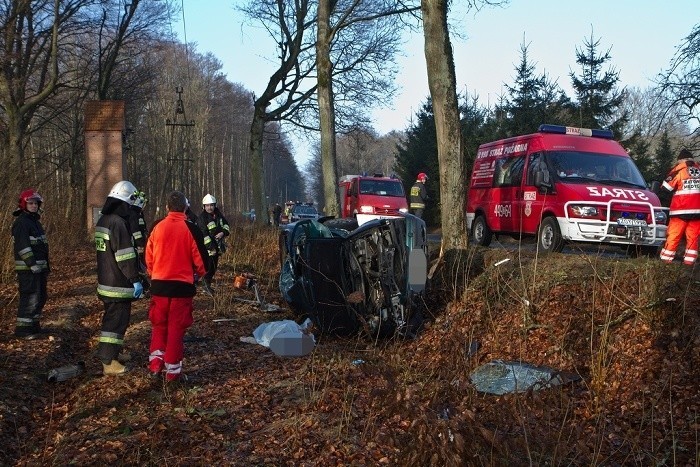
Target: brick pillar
105,162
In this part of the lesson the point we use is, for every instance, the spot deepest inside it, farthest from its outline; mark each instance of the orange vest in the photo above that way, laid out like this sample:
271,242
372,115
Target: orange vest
684,181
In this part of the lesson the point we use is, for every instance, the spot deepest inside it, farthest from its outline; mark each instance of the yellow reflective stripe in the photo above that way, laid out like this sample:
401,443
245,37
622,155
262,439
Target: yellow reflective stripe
101,233
110,340
137,235
125,254
207,240
115,292
211,225
24,251
226,228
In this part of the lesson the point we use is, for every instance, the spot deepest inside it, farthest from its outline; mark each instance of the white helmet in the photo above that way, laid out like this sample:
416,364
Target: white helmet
125,191
208,199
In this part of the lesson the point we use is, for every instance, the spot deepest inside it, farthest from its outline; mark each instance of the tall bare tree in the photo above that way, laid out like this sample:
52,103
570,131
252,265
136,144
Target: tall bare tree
680,84
288,88
29,71
355,49
140,21
443,92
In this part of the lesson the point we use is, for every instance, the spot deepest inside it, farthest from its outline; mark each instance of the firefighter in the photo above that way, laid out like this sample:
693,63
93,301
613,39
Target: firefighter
215,228
31,264
684,214
419,195
118,280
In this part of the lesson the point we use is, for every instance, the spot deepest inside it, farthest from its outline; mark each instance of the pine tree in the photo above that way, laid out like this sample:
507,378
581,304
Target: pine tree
597,94
532,100
664,157
419,154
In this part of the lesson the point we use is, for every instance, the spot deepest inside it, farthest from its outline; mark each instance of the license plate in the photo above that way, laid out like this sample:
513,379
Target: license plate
635,222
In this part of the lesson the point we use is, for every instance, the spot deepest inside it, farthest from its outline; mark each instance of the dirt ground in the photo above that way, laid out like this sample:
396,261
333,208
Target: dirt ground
629,329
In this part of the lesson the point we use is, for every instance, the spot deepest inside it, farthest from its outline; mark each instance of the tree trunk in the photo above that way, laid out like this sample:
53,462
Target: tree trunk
257,129
326,110
443,91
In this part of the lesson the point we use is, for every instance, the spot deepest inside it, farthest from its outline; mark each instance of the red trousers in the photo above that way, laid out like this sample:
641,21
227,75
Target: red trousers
676,229
170,317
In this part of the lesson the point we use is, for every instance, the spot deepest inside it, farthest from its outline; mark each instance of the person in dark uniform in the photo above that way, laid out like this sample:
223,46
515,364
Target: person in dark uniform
31,264
215,228
419,195
118,280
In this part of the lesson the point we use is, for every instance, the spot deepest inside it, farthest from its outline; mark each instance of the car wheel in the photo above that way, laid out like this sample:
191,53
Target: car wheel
549,237
481,233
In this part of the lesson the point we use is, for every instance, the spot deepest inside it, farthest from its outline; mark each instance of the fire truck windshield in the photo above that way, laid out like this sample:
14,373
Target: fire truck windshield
578,167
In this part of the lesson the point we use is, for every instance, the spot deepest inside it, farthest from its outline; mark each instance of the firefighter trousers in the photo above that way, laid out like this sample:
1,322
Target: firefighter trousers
114,323
32,298
677,229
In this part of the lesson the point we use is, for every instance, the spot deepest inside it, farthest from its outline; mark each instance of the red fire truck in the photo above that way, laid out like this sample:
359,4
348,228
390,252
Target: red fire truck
563,184
368,197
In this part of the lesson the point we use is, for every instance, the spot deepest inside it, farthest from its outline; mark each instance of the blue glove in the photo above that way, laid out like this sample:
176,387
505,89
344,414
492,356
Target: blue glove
138,289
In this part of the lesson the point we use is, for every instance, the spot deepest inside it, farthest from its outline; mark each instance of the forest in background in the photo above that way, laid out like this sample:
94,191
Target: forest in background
104,50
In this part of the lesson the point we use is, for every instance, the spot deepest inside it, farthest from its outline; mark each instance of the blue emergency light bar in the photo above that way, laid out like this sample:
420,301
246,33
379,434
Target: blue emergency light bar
569,130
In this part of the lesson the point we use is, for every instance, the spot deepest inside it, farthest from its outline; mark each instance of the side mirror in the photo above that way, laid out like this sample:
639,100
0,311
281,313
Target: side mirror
655,185
542,179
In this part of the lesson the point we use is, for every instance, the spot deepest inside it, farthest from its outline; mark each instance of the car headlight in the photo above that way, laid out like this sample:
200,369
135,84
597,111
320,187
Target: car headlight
584,211
403,210
366,209
660,217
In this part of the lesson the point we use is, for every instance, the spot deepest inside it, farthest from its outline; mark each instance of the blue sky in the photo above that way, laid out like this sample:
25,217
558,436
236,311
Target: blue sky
642,37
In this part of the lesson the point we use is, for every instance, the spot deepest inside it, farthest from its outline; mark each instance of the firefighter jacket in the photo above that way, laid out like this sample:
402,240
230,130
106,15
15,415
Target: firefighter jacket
419,195
211,225
684,181
173,257
30,244
139,232
117,262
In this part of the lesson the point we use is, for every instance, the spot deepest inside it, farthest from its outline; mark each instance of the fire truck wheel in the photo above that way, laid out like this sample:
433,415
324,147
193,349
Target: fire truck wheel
481,233
549,237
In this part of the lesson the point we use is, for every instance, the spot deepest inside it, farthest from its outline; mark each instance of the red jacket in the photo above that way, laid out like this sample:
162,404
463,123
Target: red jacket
684,182
172,257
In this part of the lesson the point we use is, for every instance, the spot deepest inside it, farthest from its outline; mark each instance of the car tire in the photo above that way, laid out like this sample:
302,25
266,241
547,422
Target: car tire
549,239
481,233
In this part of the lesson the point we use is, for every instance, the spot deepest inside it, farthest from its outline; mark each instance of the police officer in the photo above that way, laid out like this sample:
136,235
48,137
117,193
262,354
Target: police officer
31,264
118,281
419,195
684,214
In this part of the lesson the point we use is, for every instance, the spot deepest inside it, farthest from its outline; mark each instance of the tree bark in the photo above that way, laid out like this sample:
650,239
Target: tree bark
257,128
326,110
443,91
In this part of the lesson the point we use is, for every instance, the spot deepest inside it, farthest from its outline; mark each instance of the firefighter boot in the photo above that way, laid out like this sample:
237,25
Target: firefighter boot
114,368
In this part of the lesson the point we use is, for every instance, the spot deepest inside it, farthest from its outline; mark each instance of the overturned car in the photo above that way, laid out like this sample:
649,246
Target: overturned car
349,279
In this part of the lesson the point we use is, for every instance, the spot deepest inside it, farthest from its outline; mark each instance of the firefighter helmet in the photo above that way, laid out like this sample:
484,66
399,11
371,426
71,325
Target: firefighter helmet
124,190
26,195
208,199
422,177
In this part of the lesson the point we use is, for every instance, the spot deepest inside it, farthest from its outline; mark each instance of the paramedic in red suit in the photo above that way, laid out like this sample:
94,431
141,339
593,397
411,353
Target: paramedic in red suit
173,260
684,214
